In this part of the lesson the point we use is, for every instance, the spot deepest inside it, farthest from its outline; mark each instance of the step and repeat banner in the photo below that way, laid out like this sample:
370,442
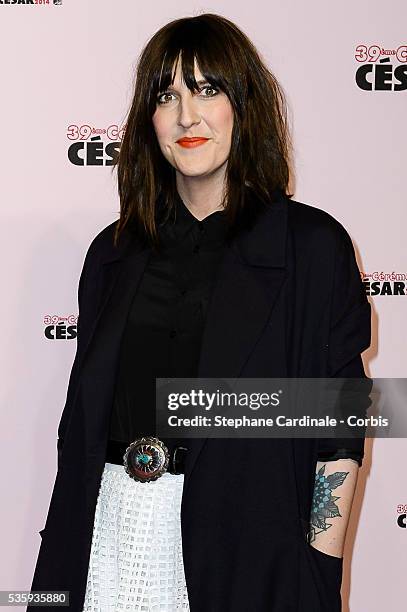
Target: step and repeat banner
66,81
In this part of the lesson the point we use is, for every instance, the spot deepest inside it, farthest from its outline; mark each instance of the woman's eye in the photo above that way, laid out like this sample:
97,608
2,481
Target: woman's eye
159,98
210,87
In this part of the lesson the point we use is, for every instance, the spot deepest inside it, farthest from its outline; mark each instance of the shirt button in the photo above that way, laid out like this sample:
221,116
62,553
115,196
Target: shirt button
196,248
173,333
183,291
201,227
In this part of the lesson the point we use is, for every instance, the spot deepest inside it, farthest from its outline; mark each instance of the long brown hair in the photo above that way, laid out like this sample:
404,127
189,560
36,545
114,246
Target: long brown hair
260,147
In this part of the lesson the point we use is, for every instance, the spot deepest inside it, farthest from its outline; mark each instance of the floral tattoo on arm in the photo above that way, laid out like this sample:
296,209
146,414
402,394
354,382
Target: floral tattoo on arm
323,502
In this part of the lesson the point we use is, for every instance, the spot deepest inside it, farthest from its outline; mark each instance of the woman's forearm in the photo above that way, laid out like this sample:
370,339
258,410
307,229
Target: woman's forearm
335,483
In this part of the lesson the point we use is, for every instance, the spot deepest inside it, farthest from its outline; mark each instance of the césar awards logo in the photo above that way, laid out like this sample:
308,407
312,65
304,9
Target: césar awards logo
381,69
60,328
402,516
92,146
385,283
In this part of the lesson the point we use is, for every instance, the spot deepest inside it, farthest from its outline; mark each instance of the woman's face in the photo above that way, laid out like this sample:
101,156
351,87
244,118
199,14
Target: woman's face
206,114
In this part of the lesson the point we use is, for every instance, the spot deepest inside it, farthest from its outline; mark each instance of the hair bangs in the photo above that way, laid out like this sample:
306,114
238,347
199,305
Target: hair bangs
193,42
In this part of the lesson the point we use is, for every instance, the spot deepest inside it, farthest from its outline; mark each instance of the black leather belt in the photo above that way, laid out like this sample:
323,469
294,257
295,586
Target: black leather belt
146,458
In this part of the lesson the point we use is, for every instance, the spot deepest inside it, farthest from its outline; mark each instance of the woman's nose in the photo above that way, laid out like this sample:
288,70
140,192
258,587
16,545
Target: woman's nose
188,112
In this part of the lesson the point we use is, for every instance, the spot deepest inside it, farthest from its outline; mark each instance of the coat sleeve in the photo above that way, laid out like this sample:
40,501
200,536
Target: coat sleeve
87,291
349,336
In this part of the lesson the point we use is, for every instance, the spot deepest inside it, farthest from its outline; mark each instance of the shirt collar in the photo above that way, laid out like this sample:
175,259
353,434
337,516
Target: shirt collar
184,225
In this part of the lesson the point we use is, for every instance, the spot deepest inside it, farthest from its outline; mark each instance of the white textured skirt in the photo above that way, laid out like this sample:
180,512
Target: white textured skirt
136,554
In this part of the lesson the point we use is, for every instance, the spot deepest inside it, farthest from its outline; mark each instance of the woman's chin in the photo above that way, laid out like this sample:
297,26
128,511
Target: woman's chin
198,170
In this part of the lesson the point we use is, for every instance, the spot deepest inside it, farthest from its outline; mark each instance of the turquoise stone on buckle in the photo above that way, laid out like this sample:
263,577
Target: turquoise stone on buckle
146,459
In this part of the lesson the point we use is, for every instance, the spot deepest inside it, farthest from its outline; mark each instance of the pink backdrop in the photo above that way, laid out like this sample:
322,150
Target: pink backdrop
67,73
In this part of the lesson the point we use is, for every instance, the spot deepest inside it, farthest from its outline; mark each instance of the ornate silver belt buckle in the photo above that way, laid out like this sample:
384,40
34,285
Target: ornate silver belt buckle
146,459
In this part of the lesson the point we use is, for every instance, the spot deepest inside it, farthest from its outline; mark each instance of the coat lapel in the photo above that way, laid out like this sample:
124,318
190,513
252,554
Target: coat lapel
118,275
249,279
121,274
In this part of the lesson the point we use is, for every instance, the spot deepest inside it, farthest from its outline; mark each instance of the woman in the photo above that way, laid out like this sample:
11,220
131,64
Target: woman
211,271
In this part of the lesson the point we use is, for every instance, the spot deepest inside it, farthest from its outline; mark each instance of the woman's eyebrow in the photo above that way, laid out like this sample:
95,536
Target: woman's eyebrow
199,83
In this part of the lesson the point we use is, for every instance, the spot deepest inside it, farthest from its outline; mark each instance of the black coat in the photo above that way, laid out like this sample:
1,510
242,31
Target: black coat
288,302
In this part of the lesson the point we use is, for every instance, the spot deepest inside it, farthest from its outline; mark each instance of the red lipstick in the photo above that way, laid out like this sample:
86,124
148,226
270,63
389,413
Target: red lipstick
189,143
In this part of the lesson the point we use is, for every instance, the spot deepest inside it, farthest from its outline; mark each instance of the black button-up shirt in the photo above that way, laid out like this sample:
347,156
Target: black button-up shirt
162,337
